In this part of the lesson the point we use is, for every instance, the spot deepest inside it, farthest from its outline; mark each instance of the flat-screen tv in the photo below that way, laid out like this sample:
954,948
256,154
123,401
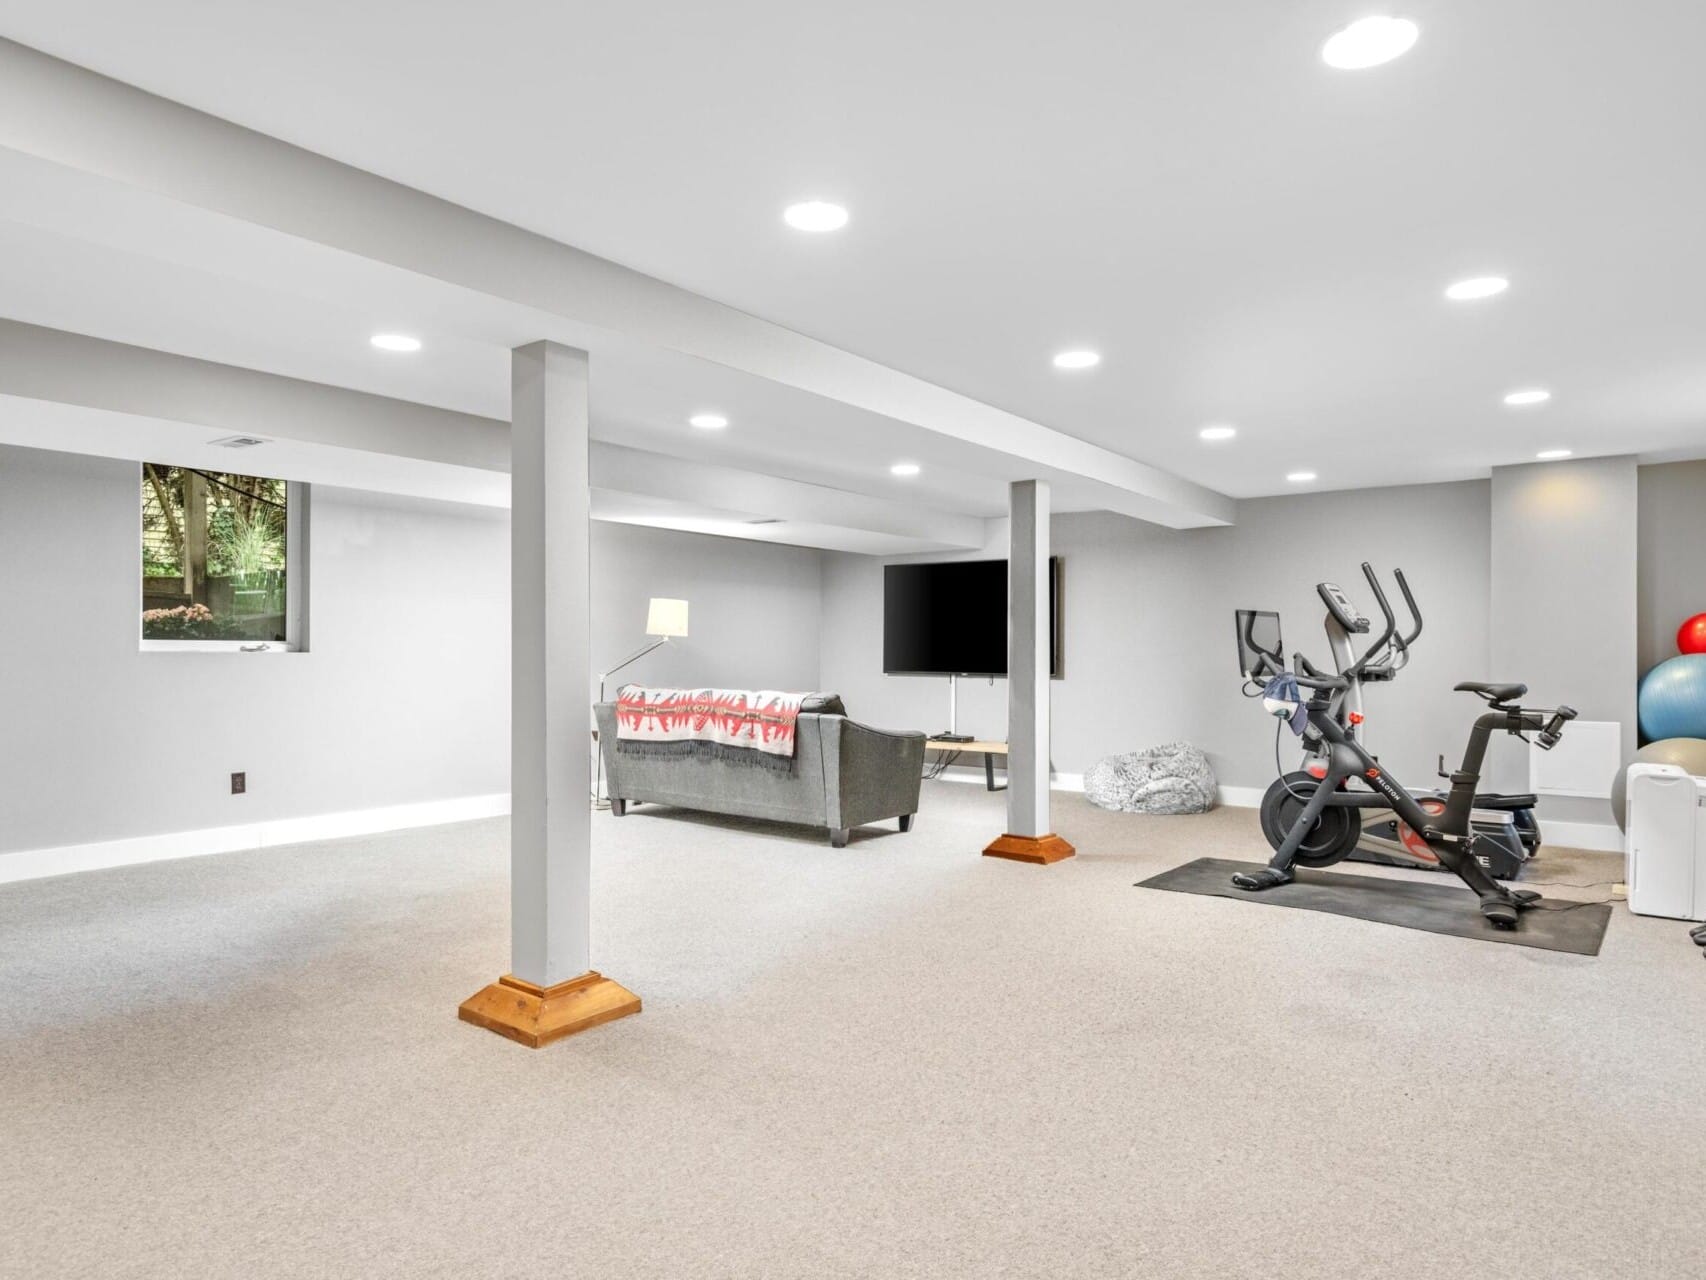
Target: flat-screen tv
950,618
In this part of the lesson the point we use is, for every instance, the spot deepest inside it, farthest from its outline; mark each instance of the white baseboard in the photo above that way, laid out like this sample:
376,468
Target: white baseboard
1241,797
971,773
32,864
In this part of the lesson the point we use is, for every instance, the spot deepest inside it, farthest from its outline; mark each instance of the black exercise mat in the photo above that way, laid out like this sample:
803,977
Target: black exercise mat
1435,908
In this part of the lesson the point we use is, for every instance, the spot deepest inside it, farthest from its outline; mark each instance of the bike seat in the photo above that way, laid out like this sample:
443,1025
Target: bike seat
1492,692
1499,801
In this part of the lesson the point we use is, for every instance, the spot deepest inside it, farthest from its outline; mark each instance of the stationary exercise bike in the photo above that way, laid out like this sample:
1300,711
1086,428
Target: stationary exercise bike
1325,816
1509,834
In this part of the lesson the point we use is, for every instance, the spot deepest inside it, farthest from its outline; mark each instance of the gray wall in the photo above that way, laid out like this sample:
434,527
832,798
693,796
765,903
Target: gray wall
1147,647
1672,533
753,609
1563,597
404,697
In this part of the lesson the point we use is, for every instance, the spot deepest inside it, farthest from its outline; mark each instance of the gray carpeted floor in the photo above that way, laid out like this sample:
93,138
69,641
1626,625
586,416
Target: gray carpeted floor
898,1059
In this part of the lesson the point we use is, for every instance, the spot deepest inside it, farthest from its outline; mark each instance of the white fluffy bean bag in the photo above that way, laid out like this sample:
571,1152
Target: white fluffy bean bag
1172,778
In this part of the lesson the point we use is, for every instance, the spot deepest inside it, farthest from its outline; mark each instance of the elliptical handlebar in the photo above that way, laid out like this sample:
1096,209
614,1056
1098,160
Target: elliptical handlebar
1410,604
1380,645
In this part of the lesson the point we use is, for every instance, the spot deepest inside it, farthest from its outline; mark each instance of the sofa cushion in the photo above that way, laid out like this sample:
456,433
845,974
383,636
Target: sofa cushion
824,704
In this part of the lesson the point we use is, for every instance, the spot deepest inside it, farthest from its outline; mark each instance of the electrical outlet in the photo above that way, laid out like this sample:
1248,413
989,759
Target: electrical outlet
239,783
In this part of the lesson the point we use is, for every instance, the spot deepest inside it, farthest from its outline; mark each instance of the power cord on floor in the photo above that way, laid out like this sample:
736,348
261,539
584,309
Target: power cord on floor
1566,906
1567,884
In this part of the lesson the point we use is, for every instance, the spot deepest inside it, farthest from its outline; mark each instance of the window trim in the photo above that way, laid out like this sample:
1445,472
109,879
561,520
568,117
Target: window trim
298,503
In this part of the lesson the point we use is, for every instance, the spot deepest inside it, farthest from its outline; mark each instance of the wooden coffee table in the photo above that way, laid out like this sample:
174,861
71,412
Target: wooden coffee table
989,751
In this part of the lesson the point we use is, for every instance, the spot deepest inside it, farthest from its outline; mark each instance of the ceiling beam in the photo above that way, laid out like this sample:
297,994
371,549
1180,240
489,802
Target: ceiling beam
76,118
133,389
705,484
69,368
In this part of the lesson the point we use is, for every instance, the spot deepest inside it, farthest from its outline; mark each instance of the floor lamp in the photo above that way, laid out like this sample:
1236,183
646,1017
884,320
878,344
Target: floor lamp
665,620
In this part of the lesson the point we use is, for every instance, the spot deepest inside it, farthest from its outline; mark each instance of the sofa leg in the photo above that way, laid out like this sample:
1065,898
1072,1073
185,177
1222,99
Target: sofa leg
618,808
906,821
838,837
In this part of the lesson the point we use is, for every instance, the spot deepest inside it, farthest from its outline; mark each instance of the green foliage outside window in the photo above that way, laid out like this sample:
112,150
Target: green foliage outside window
214,555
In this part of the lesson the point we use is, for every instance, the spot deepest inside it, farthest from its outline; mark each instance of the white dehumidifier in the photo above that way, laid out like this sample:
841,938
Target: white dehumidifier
1665,850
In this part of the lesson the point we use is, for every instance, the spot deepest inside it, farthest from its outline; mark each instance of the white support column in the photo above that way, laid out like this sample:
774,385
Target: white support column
550,860
551,990
1029,836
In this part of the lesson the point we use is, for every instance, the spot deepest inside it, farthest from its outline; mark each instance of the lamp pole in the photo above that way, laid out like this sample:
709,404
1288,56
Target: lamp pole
598,800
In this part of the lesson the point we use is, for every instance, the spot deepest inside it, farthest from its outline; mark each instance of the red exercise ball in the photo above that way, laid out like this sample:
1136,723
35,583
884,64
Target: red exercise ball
1691,635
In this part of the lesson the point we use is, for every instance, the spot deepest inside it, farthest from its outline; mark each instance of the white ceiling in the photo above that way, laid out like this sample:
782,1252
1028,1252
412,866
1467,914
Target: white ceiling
83,253
1247,235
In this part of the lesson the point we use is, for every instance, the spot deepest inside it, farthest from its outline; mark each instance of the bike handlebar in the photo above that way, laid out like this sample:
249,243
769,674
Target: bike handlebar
1554,727
1332,684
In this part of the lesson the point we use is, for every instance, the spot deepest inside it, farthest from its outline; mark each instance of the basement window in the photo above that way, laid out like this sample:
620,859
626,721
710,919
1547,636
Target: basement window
223,565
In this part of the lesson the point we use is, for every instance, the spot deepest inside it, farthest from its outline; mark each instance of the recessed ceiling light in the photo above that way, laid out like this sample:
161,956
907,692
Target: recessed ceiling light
1368,42
1077,360
1478,287
1552,455
708,421
904,469
1300,477
815,215
1217,433
1534,395
396,342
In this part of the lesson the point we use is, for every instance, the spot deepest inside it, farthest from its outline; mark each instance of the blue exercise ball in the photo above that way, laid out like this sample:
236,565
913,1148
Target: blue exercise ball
1672,703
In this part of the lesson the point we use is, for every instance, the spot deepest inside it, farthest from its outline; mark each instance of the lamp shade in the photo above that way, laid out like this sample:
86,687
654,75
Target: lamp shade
666,617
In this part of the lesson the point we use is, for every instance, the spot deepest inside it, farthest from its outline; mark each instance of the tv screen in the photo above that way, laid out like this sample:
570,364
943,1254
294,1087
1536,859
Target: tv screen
951,618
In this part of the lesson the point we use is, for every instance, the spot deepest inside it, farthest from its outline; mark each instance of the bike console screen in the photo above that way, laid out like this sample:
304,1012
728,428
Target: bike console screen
1339,605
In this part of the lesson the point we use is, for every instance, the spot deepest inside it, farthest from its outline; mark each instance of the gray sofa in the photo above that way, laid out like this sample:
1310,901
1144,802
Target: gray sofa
845,775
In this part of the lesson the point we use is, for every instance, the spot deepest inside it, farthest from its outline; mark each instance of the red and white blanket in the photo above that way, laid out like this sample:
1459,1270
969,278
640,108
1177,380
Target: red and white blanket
745,726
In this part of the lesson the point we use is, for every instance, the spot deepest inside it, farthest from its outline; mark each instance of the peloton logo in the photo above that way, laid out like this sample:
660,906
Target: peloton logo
1383,784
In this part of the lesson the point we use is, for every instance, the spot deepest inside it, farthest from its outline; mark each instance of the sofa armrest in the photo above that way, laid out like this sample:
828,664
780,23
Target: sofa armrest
875,774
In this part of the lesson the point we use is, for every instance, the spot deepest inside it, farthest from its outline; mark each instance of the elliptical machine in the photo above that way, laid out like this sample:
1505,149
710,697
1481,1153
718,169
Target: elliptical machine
1327,823
1507,830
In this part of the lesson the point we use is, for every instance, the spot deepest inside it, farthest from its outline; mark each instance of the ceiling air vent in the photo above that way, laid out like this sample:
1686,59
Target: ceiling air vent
238,442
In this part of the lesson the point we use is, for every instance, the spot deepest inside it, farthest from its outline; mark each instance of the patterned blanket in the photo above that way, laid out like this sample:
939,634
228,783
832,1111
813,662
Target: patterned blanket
742,726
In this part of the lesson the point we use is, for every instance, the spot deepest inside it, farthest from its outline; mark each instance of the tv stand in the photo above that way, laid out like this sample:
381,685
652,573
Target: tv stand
953,734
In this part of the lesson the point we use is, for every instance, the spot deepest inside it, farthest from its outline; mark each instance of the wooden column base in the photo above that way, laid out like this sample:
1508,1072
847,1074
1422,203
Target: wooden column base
1038,849
535,1016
